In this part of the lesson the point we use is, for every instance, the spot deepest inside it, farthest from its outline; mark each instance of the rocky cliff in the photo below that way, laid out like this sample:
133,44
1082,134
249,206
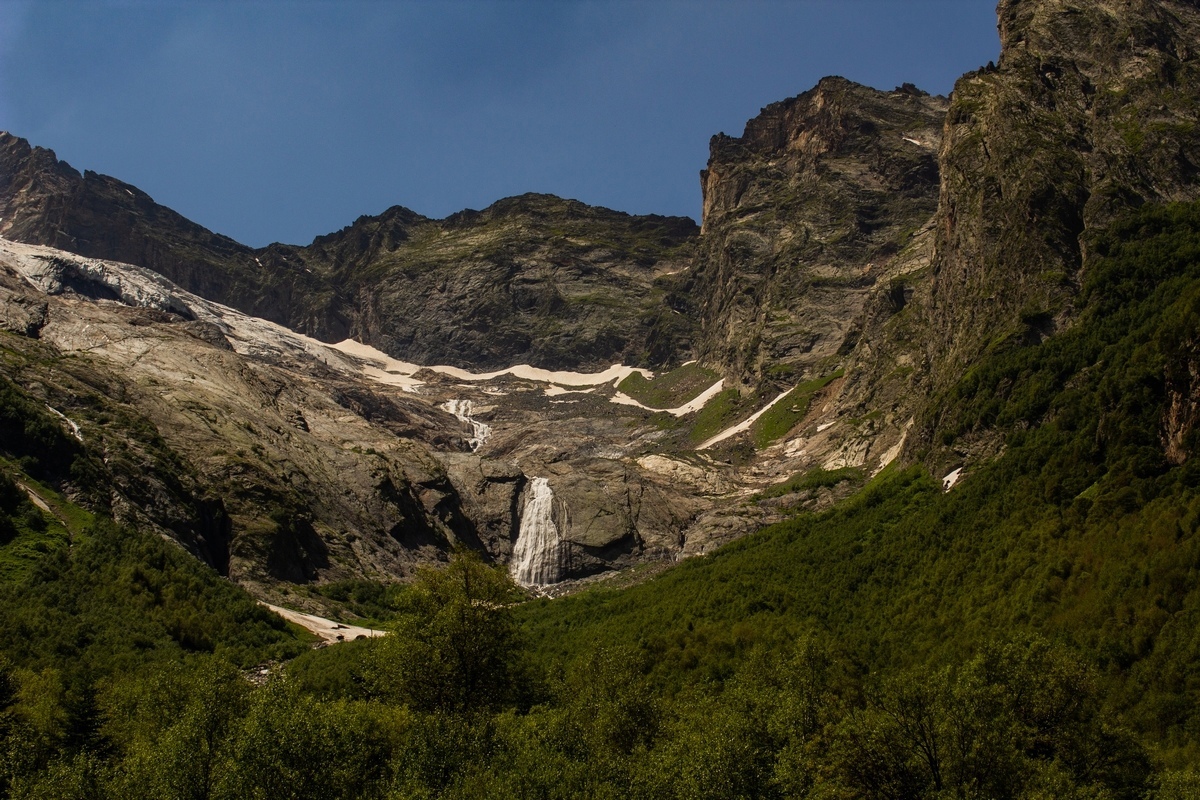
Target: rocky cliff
1091,111
802,214
219,432
532,279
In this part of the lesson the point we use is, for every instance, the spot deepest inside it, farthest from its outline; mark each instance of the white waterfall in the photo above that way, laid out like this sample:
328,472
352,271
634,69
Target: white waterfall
538,556
463,410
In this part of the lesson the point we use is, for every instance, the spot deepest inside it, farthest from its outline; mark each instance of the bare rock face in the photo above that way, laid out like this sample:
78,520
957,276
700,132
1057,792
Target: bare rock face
532,279
224,433
21,315
46,201
1092,111
800,215
489,492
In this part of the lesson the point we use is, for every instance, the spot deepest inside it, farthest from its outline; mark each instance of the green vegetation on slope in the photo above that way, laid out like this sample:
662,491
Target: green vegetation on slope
1082,530
813,479
717,414
26,533
780,418
672,389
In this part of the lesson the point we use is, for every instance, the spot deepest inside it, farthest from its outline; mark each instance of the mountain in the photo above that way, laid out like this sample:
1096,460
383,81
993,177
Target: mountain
529,279
803,215
1090,113
280,460
930,361
859,250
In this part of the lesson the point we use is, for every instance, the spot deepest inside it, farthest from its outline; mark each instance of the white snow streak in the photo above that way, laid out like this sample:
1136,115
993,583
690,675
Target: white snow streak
695,404
744,425
951,479
75,431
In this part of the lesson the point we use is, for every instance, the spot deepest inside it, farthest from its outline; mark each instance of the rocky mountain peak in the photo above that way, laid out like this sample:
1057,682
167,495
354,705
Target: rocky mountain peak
1098,33
801,215
835,119
1091,112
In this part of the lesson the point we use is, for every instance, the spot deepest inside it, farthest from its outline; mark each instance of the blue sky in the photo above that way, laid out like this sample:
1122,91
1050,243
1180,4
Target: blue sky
281,121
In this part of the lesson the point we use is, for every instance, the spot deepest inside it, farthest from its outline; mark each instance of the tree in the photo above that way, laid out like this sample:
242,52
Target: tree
455,646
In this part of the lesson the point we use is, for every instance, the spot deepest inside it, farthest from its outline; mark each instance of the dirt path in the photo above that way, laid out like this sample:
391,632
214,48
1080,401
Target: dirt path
330,631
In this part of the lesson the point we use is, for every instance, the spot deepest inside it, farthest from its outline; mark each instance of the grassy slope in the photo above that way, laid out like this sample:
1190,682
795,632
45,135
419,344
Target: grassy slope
672,389
783,416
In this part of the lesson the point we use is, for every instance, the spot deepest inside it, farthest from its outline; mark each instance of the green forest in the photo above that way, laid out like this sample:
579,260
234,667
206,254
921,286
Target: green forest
1032,633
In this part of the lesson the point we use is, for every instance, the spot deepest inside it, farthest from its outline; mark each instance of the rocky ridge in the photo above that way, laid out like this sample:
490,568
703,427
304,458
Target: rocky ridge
1090,112
802,216
529,279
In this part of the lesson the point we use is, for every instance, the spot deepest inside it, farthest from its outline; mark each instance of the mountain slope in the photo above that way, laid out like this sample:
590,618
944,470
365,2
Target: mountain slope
803,215
531,279
1092,111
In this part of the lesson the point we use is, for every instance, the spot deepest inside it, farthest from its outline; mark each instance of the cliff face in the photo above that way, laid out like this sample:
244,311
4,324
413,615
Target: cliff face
1092,111
263,461
530,279
901,237
801,215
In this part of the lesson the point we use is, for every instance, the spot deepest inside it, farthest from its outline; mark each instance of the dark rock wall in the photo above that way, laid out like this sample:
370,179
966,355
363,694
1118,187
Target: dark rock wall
1091,111
800,214
530,279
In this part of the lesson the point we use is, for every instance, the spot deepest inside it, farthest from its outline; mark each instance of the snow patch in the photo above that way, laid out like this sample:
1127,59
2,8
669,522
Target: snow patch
894,451
399,372
951,479
744,425
75,431
695,404
554,391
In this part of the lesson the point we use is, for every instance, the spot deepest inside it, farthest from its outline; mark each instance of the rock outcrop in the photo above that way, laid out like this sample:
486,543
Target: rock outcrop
1092,111
801,215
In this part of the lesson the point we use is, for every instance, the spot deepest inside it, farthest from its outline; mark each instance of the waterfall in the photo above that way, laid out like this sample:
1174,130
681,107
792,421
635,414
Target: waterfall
463,409
539,555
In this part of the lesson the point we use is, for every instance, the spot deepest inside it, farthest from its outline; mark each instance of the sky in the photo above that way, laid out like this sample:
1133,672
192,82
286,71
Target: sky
268,120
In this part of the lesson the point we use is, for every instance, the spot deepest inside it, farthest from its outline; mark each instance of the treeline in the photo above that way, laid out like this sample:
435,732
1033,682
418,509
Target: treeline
452,705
